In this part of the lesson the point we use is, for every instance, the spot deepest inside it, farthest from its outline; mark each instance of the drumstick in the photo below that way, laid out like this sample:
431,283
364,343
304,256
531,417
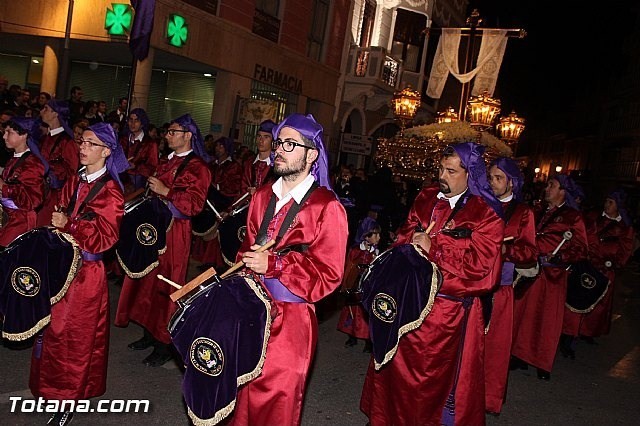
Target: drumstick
206,275
240,264
431,225
168,281
509,238
239,199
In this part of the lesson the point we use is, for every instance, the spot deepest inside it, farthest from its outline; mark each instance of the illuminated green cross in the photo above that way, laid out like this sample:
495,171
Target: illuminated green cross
177,30
117,21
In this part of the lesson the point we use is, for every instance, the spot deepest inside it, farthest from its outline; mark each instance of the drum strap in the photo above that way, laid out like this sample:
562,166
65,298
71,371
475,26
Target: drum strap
511,209
16,166
90,196
56,143
609,226
183,165
261,238
551,217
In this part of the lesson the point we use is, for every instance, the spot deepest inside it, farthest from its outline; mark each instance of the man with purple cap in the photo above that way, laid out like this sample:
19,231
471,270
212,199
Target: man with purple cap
436,375
258,171
61,152
69,360
518,251
303,215
539,311
181,180
22,181
141,151
610,237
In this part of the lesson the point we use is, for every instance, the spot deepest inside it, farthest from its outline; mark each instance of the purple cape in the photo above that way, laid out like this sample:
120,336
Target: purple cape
367,225
117,162
513,172
32,127
197,142
267,126
62,108
570,189
620,197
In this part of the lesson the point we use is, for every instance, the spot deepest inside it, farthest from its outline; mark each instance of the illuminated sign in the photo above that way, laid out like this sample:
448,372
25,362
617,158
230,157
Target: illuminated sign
177,31
117,21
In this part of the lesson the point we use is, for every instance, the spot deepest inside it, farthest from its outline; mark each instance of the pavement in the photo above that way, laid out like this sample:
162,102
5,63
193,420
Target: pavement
601,387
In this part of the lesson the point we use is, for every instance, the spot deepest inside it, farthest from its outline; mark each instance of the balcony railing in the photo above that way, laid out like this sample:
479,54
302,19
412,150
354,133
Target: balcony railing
372,65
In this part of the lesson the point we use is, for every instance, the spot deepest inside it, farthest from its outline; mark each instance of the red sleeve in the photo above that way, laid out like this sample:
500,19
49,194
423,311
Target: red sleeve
189,190
231,180
65,160
577,248
523,250
246,176
28,190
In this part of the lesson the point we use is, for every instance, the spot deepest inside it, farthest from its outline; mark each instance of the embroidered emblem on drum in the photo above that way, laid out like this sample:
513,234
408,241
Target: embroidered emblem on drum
587,281
146,234
206,356
242,232
384,307
25,281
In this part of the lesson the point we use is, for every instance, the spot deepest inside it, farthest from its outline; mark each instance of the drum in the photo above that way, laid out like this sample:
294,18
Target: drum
398,291
221,333
205,221
36,270
586,286
232,231
143,236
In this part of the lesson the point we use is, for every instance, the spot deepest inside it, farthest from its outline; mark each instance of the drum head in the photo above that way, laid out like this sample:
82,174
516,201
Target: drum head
586,286
232,232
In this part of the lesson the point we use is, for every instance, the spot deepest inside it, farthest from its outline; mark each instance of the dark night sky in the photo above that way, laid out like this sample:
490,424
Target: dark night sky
564,55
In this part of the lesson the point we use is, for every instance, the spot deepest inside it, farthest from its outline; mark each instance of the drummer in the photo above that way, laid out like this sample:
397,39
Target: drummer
538,314
141,150
22,181
69,361
315,232
182,181
518,250
464,242
259,170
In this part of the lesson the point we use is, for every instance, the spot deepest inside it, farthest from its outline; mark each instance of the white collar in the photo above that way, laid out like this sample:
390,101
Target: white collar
223,161
20,154
137,138
56,131
96,175
297,193
182,154
266,160
617,219
507,198
453,200
370,249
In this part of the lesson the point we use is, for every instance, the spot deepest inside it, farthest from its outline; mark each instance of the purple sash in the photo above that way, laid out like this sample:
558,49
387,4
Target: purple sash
91,257
508,268
175,212
281,293
8,203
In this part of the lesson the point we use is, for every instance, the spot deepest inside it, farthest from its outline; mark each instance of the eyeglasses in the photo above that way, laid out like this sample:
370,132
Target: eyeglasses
288,145
82,142
173,132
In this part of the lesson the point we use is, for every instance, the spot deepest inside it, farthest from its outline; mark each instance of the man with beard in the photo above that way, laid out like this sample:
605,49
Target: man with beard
302,214
436,376
518,250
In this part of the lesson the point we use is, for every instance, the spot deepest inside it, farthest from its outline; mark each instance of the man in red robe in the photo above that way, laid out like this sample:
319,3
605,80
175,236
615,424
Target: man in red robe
182,180
610,236
305,265
22,181
141,150
436,376
518,251
69,360
258,171
61,152
539,308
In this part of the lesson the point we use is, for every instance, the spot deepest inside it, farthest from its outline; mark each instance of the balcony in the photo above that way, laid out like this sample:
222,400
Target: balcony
372,66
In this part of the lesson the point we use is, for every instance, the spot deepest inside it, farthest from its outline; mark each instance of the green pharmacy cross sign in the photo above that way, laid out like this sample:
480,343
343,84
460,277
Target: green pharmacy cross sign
117,21
177,30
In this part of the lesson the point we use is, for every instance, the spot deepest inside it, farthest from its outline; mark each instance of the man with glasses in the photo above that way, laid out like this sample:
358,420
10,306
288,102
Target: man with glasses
303,215
182,181
140,149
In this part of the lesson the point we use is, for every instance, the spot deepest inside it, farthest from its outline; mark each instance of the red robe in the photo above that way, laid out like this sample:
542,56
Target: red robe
521,251
75,345
255,174
277,395
61,152
25,186
538,313
613,244
142,155
146,300
353,318
413,387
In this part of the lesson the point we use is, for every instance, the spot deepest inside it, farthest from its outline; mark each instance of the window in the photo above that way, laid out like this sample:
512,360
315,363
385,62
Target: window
265,19
269,7
366,23
318,26
408,39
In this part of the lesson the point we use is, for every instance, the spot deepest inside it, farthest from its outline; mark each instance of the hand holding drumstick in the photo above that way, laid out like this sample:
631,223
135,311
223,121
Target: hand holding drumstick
422,238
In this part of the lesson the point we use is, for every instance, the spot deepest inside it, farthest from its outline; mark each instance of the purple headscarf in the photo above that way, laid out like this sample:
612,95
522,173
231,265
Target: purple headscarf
570,189
620,197
267,126
197,142
513,172
142,116
116,162
470,154
32,127
312,130
62,108
366,226
227,143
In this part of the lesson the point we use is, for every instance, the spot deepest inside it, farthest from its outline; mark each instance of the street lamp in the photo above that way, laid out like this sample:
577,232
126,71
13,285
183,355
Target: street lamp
510,128
483,111
405,106
558,168
447,116
537,170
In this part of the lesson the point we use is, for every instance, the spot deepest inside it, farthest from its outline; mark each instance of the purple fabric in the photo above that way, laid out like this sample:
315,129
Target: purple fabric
142,27
508,268
8,203
197,142
513,172
310,129
281,293
367,225
116,162
175,212
570,189
267,126
32,127
470,154
142,116
620,197
62,108
91,257
227,143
